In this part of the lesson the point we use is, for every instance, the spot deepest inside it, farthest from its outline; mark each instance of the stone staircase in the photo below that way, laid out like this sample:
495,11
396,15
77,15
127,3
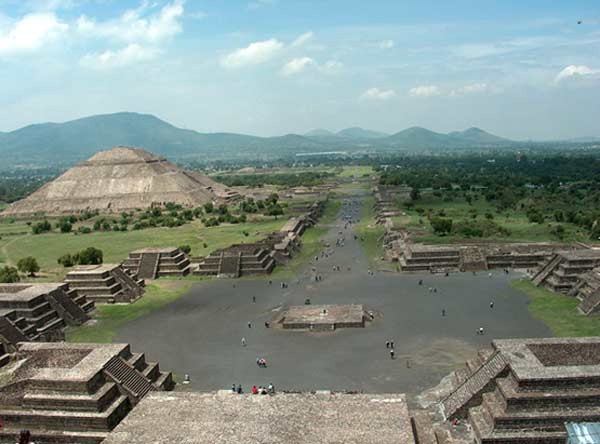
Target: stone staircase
469,391
230,265
472,259
546,270
135,383
148,265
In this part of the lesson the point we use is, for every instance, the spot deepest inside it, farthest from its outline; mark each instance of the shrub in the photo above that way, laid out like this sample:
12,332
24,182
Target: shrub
89,256
9,275
186,249
28,265
66,260
41,227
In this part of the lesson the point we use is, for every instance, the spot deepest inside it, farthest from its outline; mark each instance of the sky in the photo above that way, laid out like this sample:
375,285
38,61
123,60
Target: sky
519,69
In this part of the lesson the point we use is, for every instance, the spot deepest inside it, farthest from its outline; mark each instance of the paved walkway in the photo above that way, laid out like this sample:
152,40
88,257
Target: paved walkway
200,334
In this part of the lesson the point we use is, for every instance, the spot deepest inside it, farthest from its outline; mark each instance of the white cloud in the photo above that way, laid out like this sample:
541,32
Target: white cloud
331,67
253,54
474,88
302,39
386,44
424,91
296,65
31,32
136,25
576,71
378,94
132,53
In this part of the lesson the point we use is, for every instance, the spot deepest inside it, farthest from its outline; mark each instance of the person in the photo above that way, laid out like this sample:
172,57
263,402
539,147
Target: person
270,282
186,379
435,289
233,389
492,304
480,330
262,390
239,389
254,390
267,324
254,299
243,342
387,344
420,281
392,343
443,312
271,389
407,363
25,437
392,353
490,275
249,324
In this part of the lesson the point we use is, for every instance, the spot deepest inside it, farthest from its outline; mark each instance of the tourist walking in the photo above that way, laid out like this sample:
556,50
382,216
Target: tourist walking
239,389
392,353
392,343
243,342
254,299
443,312
387,344
249,324
271,389
492,304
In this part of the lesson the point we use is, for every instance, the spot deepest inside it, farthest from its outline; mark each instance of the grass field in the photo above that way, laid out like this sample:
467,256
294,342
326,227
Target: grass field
46,248
355,171
370,235
108,317
558,311
516,222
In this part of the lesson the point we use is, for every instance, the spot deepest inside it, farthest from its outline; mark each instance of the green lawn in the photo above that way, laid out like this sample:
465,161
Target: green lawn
109,317
558,311
116,245
516,222
355,171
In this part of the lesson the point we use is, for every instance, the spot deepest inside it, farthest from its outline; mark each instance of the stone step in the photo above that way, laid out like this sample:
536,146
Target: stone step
40,436
68,421
423,427
164,381
55,324
138,361
99,401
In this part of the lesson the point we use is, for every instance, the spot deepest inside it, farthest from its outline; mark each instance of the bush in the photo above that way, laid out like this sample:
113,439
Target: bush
208,207
64,226
186,249
41,227
441,226
84,230
28,265
89,256
66,260
9,275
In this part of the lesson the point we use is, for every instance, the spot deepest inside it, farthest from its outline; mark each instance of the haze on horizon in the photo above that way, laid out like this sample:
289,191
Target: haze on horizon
270,67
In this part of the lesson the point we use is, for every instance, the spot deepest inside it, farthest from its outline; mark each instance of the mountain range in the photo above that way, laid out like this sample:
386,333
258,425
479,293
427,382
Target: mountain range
75,140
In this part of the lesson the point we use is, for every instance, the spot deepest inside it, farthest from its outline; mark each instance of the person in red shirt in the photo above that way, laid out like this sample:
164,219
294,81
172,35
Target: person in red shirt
254,390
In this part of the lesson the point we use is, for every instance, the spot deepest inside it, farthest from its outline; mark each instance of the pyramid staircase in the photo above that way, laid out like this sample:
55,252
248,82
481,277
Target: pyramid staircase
148,265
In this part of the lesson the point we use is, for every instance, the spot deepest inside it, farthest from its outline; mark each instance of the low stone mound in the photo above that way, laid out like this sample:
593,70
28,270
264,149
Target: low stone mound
106,283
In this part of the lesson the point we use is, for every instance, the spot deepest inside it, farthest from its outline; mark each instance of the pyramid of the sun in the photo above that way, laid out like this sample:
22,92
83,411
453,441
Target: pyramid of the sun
119,179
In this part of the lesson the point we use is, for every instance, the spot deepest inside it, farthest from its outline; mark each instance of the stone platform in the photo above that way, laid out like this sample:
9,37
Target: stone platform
31,312
73,393
525,390
153,263
106,283
302,418
323,317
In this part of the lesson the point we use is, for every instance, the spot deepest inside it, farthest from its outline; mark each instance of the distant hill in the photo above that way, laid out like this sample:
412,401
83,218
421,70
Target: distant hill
70,142
360,133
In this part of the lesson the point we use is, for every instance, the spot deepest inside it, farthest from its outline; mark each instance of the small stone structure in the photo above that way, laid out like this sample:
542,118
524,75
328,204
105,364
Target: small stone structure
561,272
73,393
323,317
121,179
587,290
106,283
260,257
299,418
153,263
524,390
33,312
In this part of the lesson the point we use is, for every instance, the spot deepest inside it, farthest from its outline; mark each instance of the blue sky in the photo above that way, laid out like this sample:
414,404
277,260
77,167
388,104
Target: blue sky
268,67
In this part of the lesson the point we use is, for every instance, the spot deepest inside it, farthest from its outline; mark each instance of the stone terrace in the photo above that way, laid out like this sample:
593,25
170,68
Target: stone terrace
107,283
561,272
227,418
323,317
587,290
524,390
40,311
153,263
73,393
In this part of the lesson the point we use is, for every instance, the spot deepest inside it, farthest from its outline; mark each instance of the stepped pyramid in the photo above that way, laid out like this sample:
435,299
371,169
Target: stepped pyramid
121,179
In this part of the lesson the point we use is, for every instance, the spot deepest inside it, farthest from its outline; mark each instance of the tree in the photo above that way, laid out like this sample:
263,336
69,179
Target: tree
9,275
41,227
441,226
89,256
66,260
28,265
414,193
64,226
208,207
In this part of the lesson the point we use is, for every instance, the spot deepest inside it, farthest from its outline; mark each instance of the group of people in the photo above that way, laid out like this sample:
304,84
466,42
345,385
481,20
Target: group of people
261,362
260,390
